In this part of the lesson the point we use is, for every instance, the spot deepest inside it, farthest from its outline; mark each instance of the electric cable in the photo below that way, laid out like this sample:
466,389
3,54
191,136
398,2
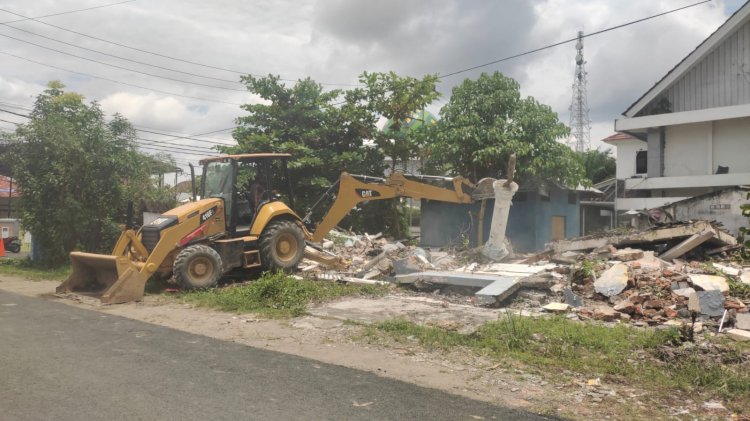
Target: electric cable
570,40
121,67
117,81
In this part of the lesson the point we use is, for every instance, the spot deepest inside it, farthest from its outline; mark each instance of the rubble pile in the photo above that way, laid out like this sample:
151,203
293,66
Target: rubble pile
651,277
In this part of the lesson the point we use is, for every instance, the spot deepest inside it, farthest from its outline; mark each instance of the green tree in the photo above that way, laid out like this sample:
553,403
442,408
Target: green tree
74,170
324,131
397,98
486,120
599,165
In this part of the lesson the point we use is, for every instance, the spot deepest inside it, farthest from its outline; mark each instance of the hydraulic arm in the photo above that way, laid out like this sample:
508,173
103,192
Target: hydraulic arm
354,189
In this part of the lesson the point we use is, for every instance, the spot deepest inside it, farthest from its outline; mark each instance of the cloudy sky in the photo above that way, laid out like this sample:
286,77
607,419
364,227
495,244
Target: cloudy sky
210,44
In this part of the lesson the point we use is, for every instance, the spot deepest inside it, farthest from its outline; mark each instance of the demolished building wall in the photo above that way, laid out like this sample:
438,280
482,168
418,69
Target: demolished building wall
722,206
529,221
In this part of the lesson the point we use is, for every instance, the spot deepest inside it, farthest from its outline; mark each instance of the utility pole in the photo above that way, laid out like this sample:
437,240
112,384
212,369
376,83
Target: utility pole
580,124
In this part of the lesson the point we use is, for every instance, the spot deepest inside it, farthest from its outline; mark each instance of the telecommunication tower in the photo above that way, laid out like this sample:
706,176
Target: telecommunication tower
580,124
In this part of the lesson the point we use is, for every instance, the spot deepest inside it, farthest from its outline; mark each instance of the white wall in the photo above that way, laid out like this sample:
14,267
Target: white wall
626,150
731,145
686,149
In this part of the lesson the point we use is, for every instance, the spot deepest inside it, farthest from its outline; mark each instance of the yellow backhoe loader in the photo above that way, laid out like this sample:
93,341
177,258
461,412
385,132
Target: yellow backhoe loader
239,221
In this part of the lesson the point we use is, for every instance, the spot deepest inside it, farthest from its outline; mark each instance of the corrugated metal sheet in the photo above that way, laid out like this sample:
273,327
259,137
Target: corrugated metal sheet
721,79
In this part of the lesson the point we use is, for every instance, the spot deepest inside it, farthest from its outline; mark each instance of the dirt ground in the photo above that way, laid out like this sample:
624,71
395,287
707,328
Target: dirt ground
323,335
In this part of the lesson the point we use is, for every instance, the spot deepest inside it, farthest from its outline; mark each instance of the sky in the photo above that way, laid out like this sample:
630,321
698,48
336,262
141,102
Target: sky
211,44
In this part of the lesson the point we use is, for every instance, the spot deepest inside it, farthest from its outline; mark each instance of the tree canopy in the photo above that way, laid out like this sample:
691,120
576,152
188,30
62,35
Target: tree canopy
76,171
486,120
599,165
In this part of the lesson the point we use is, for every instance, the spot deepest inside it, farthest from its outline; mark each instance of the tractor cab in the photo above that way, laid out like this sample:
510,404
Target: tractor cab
245,183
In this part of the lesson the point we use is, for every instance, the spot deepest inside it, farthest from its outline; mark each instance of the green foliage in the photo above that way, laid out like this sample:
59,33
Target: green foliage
324,138
743,238
486,120
599,165
276,295
396,98
25,269
615,352
76,172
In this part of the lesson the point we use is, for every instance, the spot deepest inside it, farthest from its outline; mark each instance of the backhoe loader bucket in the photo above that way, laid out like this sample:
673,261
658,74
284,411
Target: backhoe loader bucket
114,279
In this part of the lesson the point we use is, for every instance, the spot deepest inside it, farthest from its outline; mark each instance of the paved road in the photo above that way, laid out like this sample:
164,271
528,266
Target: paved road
62,363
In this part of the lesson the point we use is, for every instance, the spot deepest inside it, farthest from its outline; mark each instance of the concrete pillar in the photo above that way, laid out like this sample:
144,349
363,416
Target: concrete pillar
655,139
495,248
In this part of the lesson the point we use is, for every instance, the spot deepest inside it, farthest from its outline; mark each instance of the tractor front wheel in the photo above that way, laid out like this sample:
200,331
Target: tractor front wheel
282,245
197,267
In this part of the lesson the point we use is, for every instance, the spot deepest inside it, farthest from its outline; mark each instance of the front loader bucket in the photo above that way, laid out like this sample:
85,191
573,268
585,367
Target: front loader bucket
114,279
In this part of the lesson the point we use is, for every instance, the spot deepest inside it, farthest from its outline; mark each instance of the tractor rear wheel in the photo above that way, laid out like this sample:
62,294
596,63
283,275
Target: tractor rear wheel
197,267
282,245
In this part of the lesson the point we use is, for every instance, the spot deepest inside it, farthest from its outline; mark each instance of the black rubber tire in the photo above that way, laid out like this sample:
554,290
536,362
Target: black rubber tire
282,246
14,247
197,267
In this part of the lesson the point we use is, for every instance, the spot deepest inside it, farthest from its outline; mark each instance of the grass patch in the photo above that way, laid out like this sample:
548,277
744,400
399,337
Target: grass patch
25,269
276,295
617,353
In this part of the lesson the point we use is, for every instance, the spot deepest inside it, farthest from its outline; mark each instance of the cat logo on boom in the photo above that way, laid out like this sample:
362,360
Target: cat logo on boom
363,193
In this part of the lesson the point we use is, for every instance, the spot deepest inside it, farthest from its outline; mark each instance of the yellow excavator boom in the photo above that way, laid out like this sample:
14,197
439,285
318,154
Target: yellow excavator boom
353,191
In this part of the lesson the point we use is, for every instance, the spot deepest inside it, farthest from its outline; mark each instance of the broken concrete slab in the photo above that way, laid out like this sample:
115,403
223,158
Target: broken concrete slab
448,278
612,281
711,302
496,291
709,282
627,254
406,266
556,307
738,335
649,262
727,270
742,321
745,277
572,298
694,304
688,244
658,234
684,292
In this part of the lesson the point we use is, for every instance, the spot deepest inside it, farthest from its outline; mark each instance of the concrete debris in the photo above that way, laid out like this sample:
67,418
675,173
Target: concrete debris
612,281
745,277
711,302
726,269
742,321
619,278
572,298
627,254
709,282
738,335
556,307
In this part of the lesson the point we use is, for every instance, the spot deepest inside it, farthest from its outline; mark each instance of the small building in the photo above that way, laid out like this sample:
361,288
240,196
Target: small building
722,206
538,215
9,228
9,194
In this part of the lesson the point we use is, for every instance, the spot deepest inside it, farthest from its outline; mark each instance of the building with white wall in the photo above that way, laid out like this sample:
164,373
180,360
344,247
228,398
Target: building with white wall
690,133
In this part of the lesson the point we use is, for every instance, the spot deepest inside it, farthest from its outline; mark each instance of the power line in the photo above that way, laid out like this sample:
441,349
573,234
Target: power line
14,113
184,137
154,142
173,133
569,40
121,67
63,13
117,81
160,54
122,58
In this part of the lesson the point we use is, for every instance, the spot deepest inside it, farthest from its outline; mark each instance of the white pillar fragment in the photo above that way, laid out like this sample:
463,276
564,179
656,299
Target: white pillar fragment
495,248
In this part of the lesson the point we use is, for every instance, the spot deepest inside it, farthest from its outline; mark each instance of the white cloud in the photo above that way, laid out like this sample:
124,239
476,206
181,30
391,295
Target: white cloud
335,40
